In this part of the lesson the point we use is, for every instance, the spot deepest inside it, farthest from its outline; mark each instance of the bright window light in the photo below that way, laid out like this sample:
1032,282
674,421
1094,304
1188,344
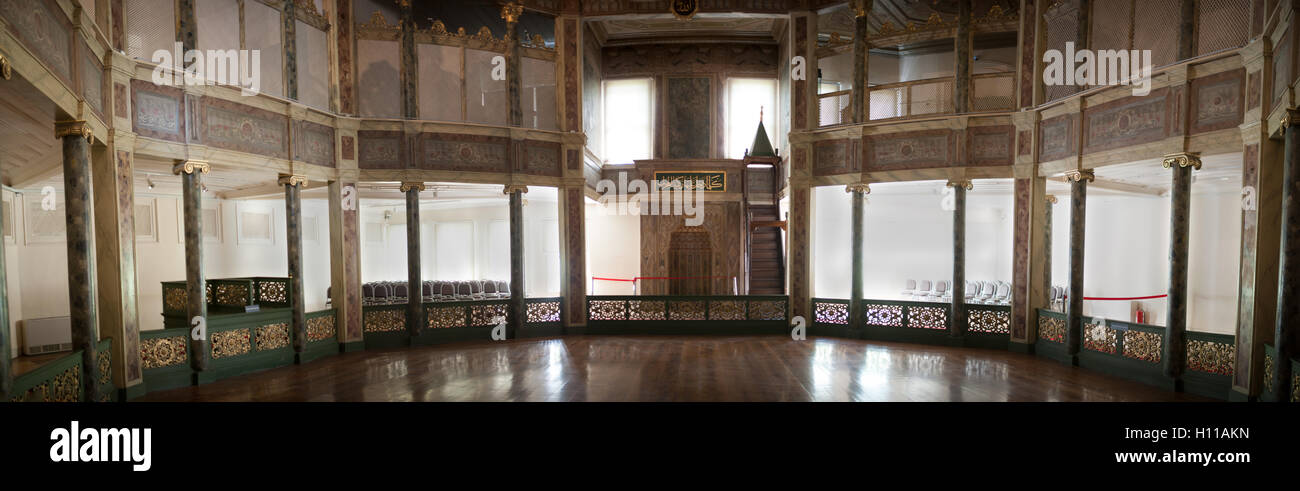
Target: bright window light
745,97
627,120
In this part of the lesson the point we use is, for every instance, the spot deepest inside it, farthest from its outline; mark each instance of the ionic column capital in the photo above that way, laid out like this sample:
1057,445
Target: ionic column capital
1080,175
409,185
1051,198
514,188
1182,159
190,167
961,183
1290,117
73,128
860,187
292,180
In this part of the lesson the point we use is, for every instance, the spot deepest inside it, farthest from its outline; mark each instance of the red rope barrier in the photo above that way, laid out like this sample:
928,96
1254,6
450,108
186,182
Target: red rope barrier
1127,298
660,278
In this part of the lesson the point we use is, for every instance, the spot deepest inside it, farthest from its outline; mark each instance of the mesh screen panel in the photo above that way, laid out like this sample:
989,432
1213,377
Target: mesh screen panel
834,110
886,103
1111,24
1157,29
996,93
150,26
1221,24
930,98
313,65
1062,26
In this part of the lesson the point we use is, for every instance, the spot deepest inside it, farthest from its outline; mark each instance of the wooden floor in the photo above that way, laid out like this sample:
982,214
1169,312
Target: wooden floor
676,368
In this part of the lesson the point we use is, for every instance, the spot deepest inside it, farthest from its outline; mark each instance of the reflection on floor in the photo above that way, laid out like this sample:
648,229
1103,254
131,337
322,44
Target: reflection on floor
676,368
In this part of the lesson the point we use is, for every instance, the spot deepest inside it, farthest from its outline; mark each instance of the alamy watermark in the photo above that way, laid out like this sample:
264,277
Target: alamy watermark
235,67
658,197
1086,67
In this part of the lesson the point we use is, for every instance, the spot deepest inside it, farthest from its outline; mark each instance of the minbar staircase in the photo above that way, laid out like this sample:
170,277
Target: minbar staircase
766,257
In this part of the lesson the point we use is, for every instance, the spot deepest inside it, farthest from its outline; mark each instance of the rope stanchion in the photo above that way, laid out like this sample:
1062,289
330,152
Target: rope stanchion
1148,297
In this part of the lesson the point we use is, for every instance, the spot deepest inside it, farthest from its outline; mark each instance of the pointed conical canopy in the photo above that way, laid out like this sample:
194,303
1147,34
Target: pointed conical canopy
762,147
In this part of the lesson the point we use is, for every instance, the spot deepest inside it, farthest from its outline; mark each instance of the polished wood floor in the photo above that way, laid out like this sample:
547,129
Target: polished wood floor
672,368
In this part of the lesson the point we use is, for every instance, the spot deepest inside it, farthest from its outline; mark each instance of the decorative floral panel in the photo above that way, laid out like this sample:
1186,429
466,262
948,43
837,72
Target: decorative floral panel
321,328
164,352
686,310
444,317
988,321
927,317
64,387
607,310
877,314
831,313
230,343
727,310
540,312
387,320
767,310
272,336
1051,329
1099,338
1210,357
486,315
1141,345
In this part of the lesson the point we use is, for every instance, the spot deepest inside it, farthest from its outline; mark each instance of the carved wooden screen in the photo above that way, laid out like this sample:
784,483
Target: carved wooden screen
690,262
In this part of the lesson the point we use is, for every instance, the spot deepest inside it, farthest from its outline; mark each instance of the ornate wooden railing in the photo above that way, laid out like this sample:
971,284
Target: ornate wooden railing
229,294
56,381
468,313
993,92
1051,326
242,343
988,320
913,98
1267,392
688,313
542,312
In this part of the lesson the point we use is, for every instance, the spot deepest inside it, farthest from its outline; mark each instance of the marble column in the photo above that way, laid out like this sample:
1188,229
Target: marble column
860,97
573,246
186,25
1187,29
962,50
511,12
6,353
1174,356
1074,311
1288,282
293,236
957,326
518,309
1050,203
289,39
196,305
859,192
345,263
410,73
77,197
414,295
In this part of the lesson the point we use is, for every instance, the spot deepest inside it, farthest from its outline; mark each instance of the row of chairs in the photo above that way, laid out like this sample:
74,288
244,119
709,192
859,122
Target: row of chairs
978,292
1056,297
381,292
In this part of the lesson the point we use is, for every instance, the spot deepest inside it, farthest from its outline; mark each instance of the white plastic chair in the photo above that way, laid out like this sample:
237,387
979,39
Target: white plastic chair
910,289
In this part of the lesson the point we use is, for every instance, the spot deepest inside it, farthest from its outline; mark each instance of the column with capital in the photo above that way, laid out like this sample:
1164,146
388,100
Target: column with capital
518,309
76,136
1074,311
859,192
957,328
414,295
1285,340
196,304
1174,357
860,99
293,235
511,12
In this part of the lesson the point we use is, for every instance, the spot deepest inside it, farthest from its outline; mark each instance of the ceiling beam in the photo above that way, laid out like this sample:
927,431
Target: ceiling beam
1120,186
265,190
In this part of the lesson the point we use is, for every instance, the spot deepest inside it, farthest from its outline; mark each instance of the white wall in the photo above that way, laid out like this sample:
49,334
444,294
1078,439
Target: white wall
38,271
907,236
1126,254
385,260
613,249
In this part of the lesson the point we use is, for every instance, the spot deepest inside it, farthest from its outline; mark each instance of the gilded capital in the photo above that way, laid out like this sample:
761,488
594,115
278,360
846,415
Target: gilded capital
1080,175
190,167
72,128
860,187
511,12
1051,198
961,183
409,185
6,71
1184,159
292,180
1290,117
861,8
515,188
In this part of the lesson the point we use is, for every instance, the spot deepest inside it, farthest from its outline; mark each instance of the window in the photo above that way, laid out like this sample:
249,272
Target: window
628,120
454,250
746,97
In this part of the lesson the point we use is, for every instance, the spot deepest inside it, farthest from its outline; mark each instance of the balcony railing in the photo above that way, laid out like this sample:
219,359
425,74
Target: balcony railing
989,92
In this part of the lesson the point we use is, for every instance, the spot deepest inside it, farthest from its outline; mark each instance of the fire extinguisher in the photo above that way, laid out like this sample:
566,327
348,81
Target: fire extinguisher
1140,317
